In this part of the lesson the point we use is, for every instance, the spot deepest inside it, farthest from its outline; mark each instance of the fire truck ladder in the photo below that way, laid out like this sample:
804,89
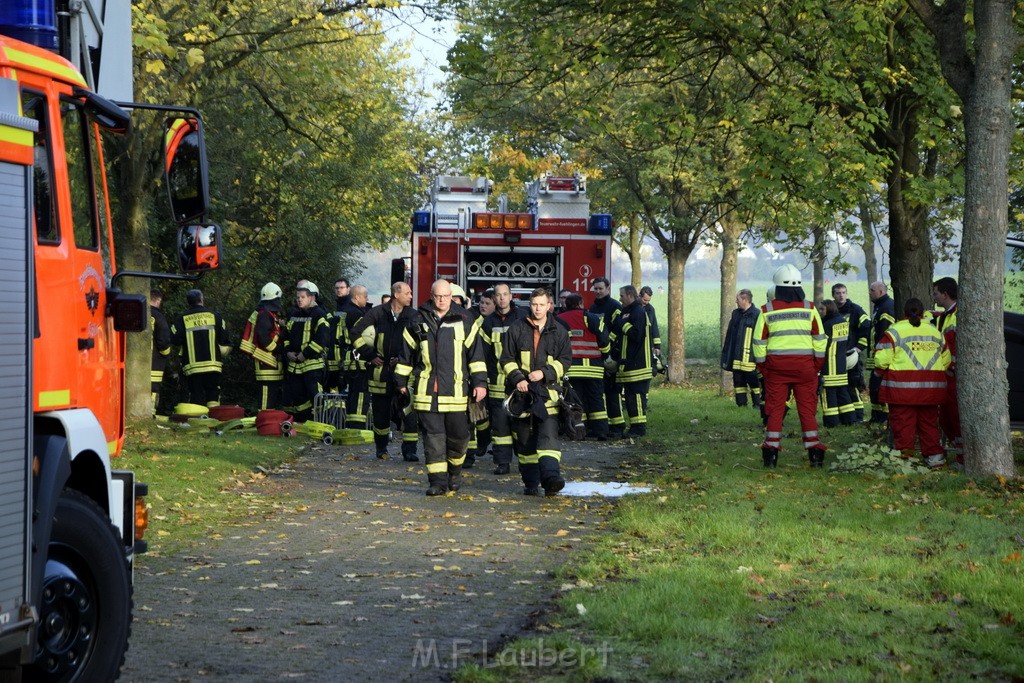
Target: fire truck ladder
449,229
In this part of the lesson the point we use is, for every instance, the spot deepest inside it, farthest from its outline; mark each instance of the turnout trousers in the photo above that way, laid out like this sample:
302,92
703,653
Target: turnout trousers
300,388
591,392
537,445
357,404
271,394
382,420
501,431
613,404
634,398
804,384
837,406
445,437
879,411
747,384
204,388
922,422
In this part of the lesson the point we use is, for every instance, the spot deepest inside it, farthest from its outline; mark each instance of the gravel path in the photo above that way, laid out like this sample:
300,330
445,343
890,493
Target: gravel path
362,577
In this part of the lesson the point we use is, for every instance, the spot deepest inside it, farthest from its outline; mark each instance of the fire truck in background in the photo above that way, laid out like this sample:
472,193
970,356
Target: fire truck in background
555,243
70,525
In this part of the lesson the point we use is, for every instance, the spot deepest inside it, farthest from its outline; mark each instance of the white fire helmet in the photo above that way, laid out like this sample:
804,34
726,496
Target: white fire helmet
270,291
852,356
771,293
787,276
458,291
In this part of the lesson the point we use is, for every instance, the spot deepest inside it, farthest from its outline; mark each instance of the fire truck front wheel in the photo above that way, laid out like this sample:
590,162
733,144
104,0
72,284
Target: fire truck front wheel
86,607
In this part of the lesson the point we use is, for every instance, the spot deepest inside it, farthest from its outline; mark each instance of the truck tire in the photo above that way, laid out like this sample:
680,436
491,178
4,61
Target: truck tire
86,606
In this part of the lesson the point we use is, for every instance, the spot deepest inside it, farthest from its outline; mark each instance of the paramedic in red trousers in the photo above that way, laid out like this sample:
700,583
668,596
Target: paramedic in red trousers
441,365
944,293
589,343
737,352
493,335
535,356
789,349
609,309
377,340
910,361
263,340
883,314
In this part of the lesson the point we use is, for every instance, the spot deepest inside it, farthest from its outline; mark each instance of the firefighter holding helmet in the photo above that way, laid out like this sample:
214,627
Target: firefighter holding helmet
789,349
262,339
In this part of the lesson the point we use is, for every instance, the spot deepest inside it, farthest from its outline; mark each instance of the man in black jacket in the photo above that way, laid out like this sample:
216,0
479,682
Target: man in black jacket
535,356
860,332
738,350
306,342
161,330
495,326
357,403
377,341
609,309
441,365
203,339
632,350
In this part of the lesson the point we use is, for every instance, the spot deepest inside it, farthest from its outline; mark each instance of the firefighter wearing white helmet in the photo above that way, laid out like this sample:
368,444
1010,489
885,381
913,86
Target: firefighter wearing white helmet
262,339
789,349
305,343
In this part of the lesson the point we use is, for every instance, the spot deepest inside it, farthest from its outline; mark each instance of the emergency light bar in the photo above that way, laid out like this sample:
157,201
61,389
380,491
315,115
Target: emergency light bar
576,183
31,21
503,221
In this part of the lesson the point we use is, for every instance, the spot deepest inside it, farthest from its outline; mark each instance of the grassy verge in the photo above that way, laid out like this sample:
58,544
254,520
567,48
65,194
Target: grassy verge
198,481
732,572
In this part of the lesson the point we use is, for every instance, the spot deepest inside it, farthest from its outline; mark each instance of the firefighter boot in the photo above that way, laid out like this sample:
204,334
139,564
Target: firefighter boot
438,484
454,477
409,451
769,456
816,456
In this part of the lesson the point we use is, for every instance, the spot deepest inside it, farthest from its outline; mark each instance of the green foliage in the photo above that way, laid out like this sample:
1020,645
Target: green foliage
865,458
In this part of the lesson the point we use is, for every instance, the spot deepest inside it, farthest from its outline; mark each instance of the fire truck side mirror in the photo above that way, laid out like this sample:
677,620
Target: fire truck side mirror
129,311
198,248
185,169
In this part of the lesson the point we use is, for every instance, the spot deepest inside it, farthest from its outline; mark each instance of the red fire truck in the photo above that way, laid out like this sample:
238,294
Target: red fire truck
555,243
70,524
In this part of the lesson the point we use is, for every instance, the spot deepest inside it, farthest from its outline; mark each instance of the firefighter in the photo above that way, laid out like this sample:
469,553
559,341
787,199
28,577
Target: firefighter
837,406
386,323
307,337
263,339
203,339
737,352
632,351
479,424
860,333
588,341
646,294
911,361
883,314
535,355
610,310
161,331
789,349
944,293
442,359
493,332
357,404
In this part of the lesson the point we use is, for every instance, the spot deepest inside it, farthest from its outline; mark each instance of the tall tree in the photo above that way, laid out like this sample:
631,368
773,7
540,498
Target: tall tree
977,43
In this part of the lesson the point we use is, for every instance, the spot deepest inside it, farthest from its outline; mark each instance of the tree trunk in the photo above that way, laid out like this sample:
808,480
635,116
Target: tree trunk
731,230
636,243
136,255
676,339
867,224
910,249
981,353
819,263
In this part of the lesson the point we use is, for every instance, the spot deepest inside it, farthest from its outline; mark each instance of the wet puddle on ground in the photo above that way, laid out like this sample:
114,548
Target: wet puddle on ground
602,488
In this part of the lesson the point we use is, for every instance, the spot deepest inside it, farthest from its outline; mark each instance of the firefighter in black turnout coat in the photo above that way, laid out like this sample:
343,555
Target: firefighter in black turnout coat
442,366
535,355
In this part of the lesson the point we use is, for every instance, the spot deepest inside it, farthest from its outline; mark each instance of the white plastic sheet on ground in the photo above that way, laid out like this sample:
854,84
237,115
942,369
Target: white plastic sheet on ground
608,489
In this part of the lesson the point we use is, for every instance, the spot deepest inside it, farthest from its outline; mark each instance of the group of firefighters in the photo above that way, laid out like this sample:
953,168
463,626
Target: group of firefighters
791,348
460,378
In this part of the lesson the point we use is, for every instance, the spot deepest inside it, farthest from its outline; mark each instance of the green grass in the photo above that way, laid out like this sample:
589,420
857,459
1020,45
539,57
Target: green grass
198,481
729,571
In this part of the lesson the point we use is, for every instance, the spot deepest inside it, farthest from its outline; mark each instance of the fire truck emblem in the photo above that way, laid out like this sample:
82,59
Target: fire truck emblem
586,270
89,281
